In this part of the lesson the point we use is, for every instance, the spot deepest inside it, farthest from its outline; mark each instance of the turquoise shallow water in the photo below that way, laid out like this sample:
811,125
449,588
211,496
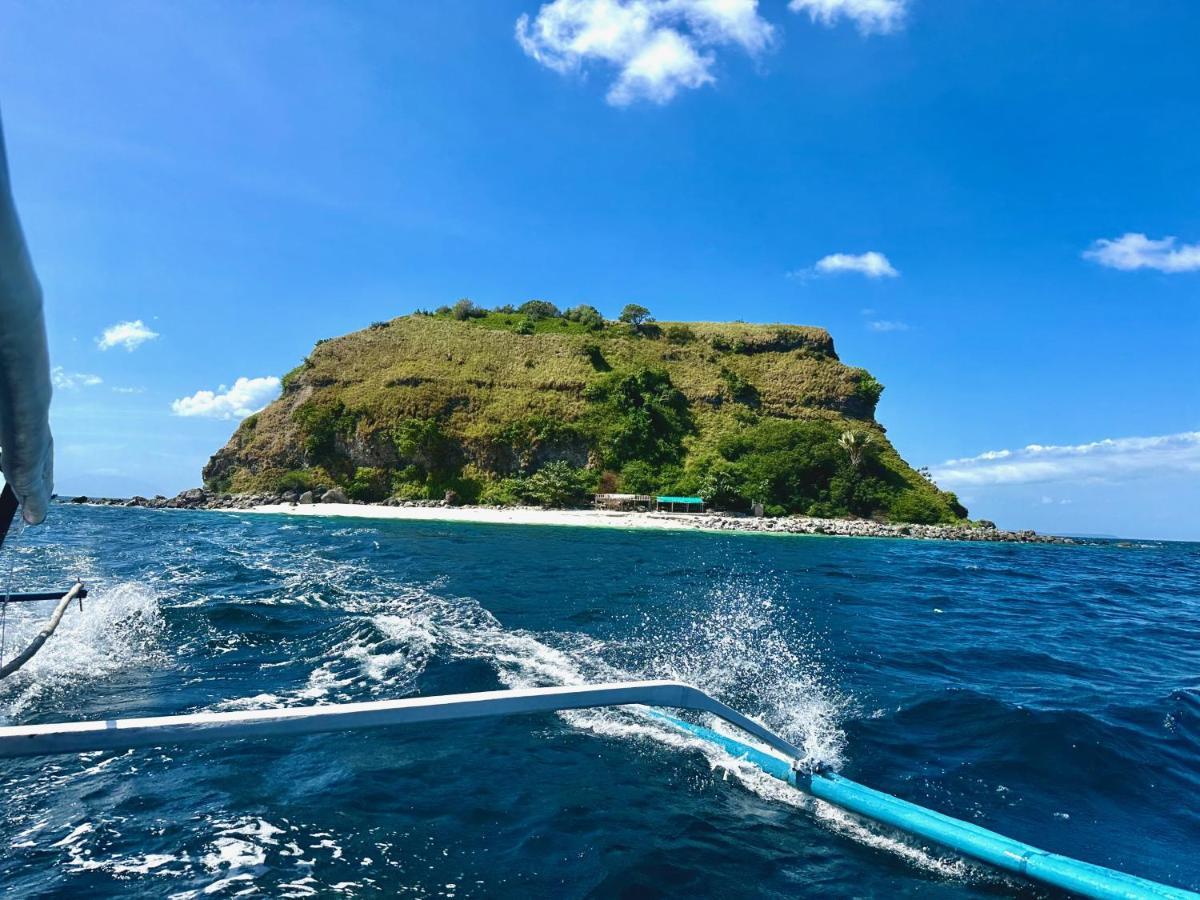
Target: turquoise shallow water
1050,693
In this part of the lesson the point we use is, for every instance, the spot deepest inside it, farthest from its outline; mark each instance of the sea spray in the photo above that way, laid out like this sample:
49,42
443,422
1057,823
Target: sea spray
738,649
119,627
743,646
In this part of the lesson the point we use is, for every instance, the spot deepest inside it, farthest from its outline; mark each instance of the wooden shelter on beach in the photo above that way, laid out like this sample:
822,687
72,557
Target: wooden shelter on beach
626,502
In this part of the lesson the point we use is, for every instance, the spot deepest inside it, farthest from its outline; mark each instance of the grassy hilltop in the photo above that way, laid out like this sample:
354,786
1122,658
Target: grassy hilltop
533,405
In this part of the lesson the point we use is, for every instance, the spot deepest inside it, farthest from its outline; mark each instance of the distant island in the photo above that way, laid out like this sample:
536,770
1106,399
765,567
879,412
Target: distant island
537,406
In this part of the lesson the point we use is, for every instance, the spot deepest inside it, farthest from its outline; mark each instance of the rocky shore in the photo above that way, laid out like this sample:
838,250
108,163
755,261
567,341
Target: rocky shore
198,498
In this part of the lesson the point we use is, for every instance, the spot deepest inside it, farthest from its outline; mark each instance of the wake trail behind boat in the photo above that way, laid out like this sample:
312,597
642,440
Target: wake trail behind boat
734,651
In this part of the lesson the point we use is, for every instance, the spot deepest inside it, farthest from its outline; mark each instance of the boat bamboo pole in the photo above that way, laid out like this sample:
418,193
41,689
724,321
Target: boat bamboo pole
112,734
41,637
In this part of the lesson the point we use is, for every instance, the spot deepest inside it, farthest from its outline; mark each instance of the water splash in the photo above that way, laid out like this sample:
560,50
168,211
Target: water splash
746,650
740,650
119,627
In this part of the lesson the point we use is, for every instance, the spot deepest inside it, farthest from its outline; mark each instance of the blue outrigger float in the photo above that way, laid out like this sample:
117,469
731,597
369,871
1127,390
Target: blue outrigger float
778,758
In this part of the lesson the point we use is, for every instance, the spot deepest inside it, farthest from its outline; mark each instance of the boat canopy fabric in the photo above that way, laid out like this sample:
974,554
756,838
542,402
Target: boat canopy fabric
26,448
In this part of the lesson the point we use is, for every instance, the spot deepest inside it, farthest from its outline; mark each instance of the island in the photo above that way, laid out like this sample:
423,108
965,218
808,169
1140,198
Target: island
537,406
497,413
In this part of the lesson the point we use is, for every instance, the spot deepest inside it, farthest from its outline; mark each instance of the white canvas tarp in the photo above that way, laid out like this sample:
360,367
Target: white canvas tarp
26,448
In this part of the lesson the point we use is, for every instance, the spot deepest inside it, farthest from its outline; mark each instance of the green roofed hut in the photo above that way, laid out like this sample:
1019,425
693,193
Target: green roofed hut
680,504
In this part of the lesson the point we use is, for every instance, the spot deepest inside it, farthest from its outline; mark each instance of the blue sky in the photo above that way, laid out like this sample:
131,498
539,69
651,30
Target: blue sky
241,179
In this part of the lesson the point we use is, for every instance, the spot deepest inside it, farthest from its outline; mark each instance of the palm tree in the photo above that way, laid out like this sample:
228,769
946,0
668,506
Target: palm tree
854,443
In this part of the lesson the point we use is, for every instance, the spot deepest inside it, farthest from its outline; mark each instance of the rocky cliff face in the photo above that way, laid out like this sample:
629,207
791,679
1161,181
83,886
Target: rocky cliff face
423,403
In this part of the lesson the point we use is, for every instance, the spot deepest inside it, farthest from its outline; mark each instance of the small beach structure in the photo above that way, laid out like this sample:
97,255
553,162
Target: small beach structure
680,504
625,502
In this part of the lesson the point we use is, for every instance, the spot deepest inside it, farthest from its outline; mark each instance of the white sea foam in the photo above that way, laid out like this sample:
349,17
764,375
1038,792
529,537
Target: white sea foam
119,627
741,649
736,648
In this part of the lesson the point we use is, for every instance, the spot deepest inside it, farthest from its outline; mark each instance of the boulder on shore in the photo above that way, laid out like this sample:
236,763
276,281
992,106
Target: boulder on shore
335,495
306,497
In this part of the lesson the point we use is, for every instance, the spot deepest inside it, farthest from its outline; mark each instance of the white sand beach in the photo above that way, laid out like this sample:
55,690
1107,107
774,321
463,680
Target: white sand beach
495,515
591,518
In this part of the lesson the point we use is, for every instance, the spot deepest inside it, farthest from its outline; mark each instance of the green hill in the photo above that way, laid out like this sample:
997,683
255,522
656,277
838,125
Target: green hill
536,406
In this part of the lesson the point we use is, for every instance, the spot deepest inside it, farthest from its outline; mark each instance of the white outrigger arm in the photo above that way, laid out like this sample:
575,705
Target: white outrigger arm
119,734
1078,877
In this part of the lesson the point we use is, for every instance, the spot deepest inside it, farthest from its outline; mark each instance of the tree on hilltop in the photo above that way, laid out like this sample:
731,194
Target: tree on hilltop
539,309
585,315
465,309
636,316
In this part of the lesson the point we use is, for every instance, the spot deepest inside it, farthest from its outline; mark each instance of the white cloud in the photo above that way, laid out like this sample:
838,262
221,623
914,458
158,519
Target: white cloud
1111,459
887,325
69,381
247,396
129,335
985,456
658,47
871,16
129,390
871,264
1136,251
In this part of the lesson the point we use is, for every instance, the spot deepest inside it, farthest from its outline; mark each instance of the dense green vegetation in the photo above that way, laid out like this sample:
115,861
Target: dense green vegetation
537,405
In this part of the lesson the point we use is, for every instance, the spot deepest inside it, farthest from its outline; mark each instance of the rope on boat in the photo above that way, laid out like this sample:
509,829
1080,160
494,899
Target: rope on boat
42,636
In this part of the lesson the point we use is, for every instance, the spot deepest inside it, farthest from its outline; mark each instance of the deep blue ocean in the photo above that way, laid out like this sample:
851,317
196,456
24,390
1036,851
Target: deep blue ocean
1050,693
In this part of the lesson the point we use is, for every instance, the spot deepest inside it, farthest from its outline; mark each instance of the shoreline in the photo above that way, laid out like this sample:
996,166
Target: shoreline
652,521
439,511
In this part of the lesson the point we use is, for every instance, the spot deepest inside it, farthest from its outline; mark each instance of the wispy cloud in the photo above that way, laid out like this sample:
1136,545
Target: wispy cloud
70,381
247,396
658,47
871,264
1110,459
871,16
884,325
1136,251
129,335
129,390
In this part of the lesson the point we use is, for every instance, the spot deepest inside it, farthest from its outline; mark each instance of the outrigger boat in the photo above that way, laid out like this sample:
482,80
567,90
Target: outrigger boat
27,464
